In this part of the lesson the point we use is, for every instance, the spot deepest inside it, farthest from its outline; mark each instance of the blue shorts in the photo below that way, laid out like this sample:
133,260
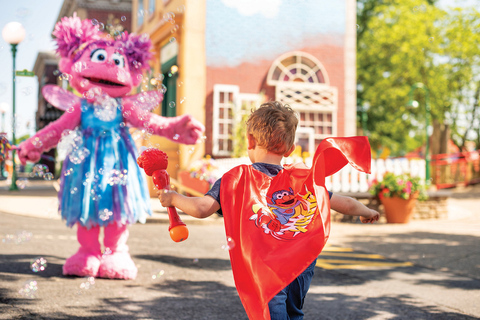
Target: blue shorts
288,303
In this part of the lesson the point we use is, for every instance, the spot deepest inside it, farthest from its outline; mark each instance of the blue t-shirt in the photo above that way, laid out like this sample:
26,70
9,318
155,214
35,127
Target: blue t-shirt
270,170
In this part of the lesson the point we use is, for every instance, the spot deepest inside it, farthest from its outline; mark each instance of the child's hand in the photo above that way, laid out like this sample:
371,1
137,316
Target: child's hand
166,197
371,217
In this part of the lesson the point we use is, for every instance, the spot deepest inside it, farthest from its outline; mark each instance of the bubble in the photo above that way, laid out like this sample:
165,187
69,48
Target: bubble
38,264
95,22
105,108
29,289
431,39
73,190
20,237
56,72
172,39
105,214
39,170
86,284
195,260
163,89
37,143
171,104
180,84
176,136
182,100
107,252
48,176
22,183
123,18
358,26
68,172
157,274
229,245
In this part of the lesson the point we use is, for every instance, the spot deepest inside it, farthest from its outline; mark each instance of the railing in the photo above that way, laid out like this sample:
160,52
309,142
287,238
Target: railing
348,179
453,169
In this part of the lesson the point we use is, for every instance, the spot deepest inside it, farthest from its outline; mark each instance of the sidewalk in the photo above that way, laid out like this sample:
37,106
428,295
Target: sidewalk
39,199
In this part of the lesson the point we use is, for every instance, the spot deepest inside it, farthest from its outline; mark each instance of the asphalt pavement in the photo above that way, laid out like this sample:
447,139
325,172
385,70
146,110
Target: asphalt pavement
426,269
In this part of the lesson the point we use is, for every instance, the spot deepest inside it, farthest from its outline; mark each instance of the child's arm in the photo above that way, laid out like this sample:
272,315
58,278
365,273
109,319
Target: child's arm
352,207
198,207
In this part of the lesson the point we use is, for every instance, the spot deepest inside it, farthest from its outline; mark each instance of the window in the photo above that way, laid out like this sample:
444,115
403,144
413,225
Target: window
302,82
224,97
140,13
229,110
151,7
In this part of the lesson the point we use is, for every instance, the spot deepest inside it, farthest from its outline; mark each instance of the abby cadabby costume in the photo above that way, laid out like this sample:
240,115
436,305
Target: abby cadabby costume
101,184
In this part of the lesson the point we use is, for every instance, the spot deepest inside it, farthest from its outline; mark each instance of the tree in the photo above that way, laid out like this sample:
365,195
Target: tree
461,32
404,42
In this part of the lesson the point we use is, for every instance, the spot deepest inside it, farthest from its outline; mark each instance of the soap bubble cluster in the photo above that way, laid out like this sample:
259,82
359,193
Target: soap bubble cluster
86,284
39,171
20,237
71,145
117,177
105,107
29,289
105,214
38,264
22,183
157,274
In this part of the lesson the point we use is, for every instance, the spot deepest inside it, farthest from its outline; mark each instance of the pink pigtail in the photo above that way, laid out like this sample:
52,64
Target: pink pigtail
71,34
137,49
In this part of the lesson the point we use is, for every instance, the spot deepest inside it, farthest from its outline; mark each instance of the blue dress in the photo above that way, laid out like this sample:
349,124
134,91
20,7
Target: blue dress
101,182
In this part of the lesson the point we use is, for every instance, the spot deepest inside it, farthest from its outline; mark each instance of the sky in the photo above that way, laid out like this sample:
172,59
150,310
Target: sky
39,17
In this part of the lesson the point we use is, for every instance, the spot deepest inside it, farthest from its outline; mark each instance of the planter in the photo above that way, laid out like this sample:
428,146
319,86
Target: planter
398,210
187,180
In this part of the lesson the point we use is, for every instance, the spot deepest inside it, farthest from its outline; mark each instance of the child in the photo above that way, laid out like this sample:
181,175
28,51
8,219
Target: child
284,203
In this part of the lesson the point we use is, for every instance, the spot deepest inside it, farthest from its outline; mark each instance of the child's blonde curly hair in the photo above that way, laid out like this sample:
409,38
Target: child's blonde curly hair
273,126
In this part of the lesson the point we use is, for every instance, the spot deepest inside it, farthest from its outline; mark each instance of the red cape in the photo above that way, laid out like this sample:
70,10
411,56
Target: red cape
280,224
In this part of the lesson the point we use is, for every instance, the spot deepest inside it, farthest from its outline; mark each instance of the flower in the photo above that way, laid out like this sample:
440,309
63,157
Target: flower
402,186
205,169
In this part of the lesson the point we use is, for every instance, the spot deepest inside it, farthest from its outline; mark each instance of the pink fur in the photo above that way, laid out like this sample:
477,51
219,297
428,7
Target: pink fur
98,67
116,263
86,261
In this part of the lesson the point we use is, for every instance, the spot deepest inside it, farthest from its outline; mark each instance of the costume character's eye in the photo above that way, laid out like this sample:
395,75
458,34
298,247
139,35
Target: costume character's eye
98,55
118,60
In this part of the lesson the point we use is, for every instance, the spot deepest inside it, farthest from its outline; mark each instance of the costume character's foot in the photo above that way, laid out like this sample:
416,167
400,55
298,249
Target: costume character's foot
87,259
116,262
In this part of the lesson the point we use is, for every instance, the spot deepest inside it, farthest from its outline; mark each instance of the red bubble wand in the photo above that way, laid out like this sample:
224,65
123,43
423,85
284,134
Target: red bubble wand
155,163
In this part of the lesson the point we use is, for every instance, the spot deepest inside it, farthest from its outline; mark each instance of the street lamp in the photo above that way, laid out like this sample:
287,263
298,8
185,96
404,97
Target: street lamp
13,33
415,104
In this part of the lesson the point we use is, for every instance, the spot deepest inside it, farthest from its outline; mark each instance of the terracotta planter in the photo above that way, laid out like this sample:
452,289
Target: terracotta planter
187,180
398,210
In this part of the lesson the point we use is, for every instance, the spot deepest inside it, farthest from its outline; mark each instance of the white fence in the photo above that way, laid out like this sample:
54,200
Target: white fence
348,179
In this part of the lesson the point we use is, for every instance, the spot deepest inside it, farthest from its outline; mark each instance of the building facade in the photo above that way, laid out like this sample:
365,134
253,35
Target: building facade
229,56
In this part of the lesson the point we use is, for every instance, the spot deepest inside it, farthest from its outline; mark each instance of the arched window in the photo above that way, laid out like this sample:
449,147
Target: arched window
302,82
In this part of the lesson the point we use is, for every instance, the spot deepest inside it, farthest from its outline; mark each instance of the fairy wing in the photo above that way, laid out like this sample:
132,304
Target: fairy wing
59,97
147,100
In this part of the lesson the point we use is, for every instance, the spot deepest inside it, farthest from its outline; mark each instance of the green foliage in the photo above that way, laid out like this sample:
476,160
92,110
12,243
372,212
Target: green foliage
404,42
403,186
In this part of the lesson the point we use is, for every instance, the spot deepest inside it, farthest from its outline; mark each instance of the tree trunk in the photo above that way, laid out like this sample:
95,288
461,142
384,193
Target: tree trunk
439,138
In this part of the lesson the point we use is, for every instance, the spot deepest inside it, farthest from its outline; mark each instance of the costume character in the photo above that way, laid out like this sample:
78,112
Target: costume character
268,258
101,184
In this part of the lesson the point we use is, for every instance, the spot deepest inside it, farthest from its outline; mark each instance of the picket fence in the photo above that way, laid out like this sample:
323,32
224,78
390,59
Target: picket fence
348,180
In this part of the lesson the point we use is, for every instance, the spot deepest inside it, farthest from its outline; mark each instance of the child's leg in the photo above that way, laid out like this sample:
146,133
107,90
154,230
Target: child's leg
116,262
86,261
288,303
